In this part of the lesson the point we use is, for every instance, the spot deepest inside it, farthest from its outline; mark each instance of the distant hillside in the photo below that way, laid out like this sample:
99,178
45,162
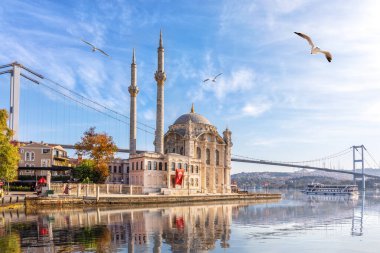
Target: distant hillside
297,179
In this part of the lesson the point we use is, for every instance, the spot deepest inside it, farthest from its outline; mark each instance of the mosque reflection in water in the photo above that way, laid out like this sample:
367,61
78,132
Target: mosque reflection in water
198,228
179,229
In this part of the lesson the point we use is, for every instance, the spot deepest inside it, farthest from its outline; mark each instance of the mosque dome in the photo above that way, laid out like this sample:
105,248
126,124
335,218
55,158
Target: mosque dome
193,117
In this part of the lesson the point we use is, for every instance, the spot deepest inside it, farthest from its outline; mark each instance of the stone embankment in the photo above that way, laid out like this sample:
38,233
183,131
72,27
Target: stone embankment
142,200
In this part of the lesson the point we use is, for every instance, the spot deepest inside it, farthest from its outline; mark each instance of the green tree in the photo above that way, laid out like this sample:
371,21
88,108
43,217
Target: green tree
85,172
9,156
100,148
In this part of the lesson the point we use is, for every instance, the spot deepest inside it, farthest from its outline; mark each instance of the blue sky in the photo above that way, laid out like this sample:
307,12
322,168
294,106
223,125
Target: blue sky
280,102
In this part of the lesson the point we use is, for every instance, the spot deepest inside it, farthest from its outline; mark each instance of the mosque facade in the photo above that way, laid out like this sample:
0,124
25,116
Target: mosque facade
190,158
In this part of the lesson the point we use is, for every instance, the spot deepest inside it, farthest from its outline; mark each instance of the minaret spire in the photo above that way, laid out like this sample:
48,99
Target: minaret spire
192,108
160,78
133,90
161,45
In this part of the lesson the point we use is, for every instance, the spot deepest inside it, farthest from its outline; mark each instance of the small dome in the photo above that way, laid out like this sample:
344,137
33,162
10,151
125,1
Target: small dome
193,117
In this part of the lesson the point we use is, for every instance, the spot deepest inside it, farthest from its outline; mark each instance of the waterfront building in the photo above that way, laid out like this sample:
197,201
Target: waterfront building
118,171
191,157
39,155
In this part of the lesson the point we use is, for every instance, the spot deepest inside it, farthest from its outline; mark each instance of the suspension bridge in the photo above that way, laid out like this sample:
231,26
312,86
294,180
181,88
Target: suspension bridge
62,115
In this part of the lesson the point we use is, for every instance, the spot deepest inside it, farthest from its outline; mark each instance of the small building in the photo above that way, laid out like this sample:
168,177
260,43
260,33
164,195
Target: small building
44,155
118,171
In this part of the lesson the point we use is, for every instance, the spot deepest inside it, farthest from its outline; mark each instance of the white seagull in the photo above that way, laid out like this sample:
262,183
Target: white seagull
95,48
212,79
314,49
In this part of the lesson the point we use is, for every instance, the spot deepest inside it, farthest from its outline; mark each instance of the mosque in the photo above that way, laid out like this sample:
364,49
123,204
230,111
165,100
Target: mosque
190,158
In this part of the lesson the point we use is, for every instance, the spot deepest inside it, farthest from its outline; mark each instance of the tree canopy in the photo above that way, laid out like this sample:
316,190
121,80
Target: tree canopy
98,147
9,156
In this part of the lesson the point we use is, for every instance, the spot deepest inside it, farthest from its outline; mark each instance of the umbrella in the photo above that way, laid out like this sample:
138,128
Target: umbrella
42,180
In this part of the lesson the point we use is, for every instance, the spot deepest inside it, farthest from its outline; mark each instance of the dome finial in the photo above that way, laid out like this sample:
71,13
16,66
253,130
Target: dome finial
192,108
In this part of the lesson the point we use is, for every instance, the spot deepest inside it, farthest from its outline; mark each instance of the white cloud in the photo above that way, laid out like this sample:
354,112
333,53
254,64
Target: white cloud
149,115
242,79
255,109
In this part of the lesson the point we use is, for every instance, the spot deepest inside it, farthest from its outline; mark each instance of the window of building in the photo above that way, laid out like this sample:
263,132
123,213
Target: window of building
199,153
185,167
149,165
120,169
114,169
155,165
160,166
27,156
27,165
32,156
181,151
207,156
196,182
45,150
192,169
173,150
45,162
110,169
137,165
21,151
217,157
133,166
141,165
192,182
128,168
196,169
179,166
173,166
166,166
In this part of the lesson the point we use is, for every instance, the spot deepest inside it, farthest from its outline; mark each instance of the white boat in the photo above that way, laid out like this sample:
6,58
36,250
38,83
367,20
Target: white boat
322,189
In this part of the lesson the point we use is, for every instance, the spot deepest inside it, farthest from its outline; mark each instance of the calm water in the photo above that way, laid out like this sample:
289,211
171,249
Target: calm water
297,223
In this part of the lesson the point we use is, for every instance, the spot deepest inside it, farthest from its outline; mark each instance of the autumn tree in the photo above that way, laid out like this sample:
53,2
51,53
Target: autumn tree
98,147
9,156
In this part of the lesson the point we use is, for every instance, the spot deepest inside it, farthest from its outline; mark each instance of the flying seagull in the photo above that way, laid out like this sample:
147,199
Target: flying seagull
213,79
95,48
314,49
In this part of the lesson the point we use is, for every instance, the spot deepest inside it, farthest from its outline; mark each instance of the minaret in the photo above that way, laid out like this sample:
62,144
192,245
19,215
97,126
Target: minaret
133,90
160,77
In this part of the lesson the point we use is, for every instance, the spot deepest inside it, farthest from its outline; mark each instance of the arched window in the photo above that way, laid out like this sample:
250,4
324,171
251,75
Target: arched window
181,151
173,166
185,167
160,166
149,165
199,153
155,165
27,156
32,156
196,169
207,156
192,168
141,165
217,157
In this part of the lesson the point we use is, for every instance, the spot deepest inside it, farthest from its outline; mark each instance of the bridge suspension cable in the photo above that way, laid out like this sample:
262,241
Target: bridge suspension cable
94,102
335,155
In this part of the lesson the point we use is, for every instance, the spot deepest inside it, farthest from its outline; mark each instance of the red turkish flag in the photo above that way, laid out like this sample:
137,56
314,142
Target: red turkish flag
179,176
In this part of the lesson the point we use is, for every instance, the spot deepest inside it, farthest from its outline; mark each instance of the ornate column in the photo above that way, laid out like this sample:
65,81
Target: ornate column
213,167
227,159
203,167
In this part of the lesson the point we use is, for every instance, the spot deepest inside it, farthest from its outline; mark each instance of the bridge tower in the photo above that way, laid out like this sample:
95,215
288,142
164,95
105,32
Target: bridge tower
14,108
358,158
